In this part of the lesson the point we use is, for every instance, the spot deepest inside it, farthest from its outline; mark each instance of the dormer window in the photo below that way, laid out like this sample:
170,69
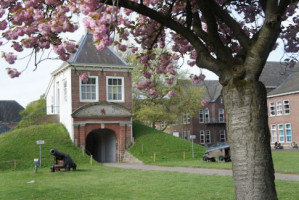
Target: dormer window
89,89
115,89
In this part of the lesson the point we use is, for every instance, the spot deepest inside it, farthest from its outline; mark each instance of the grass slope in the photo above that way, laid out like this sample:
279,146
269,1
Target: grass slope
166,146
20,145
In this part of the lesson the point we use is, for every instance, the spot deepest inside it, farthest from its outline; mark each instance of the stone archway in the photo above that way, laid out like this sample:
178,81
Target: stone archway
101,143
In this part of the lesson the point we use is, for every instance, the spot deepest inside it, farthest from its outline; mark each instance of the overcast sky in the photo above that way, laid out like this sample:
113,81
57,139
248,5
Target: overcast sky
32,84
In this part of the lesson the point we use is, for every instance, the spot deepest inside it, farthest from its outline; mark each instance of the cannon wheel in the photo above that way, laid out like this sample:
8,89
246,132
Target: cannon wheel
221,158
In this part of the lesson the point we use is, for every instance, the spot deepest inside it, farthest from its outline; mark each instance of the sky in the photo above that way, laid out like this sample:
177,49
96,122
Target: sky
33,83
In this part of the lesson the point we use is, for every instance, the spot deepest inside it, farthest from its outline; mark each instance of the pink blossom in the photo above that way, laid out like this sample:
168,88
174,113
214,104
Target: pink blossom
9,57
122,47
171,93
152,93
147,74
204,102
134,49
169,81
17,47
197,79
83,77
3,25
12,72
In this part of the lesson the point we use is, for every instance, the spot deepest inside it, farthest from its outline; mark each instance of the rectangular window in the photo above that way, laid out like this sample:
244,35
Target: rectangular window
175,122
207,116
279,107
186,135
65,90
222,136
221,115
202,136
162,124
286,107
280,133
288,133
272,109
208,137
186,119
89,89
201,119
115,89
273,133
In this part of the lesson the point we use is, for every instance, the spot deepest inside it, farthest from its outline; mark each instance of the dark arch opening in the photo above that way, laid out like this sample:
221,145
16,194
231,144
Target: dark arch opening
101,144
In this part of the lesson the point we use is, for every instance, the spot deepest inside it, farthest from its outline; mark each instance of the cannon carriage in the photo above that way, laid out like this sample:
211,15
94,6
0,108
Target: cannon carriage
62,161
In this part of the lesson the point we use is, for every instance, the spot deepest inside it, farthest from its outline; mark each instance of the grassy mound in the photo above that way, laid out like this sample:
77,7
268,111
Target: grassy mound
20,145
166,146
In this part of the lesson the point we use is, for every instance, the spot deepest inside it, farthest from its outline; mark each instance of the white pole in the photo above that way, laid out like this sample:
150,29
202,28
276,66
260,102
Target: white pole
40,155
192,149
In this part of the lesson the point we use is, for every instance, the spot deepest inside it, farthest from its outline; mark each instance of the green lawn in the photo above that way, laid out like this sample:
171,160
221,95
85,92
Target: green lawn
98,182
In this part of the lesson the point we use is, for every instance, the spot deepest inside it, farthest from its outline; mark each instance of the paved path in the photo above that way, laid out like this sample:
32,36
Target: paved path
219,172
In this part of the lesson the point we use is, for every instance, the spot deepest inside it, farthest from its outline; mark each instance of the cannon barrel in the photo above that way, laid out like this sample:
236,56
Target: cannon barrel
58,155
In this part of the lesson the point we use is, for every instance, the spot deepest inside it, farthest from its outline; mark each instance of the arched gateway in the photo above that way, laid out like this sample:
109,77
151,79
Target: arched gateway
104,129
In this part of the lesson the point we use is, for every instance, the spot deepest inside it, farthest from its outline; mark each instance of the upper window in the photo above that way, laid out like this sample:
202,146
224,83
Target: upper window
286,107
207,117
65,90
279,107
221,115
186,119
115,89
201,119
272,108
163,125
89,89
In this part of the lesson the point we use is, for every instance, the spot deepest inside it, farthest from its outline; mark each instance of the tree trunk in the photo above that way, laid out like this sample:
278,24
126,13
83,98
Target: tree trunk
249,140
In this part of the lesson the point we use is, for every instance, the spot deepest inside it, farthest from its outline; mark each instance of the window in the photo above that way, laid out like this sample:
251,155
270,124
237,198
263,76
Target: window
222,136
162,124
57,97
278,107
272,108
186,119
221,115
175,122
202,136
186,135
89,89
286,107
65,90
208,137
115,89
207,117
288,133
280,133
201,120
273,133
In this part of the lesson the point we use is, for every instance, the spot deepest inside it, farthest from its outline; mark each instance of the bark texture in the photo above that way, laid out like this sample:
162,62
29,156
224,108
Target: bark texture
249,139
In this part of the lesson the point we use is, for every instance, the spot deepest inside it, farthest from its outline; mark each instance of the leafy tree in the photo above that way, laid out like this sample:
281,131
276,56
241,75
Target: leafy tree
33,111
231,38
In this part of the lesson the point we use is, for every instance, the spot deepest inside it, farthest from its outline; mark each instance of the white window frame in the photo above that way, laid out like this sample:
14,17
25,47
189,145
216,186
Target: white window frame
221,114
163,124
274,133
122,88
65,90
278,108
272,109
208,137
201,116
202,137
186,135
175,123
286,133
207,115
96,93
280,133
186,118
286,103
222,136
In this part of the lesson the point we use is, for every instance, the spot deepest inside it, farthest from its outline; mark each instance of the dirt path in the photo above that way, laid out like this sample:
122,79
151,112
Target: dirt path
218,172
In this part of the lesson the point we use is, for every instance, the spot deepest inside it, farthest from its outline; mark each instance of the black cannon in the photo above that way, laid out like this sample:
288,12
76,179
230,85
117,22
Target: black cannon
62,161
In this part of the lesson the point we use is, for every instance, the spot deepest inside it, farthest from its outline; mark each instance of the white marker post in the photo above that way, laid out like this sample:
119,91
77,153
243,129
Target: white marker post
40,142
192,137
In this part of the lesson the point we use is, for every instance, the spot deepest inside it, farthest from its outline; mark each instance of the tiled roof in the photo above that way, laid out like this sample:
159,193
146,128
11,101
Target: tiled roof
290,85
88,54
9,111
212,89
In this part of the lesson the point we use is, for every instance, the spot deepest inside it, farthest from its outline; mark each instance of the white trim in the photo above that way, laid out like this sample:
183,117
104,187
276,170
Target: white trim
283,104
122,88
97,90
83,123
282,94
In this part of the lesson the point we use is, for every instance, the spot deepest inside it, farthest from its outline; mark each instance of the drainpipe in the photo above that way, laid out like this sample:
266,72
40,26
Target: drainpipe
131,129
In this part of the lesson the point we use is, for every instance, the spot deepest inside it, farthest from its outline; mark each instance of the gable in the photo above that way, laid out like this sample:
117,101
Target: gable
101,109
